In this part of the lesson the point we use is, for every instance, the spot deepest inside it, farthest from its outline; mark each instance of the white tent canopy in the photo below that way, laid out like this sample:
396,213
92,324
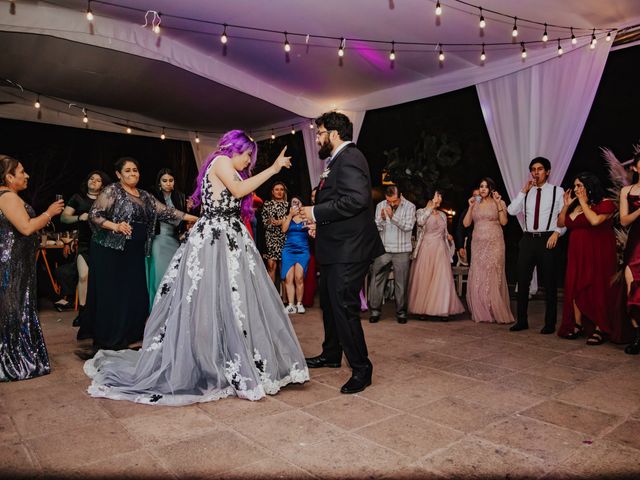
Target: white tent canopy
186,81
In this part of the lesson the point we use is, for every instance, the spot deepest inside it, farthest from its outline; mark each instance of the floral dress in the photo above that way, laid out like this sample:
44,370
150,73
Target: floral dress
217,327
273,234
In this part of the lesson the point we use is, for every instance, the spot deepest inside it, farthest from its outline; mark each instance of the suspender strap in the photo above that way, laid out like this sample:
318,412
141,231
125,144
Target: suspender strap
553,207
525,210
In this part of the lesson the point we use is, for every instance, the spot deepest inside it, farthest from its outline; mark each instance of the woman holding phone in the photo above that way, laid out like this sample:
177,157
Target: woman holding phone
487,290
295,256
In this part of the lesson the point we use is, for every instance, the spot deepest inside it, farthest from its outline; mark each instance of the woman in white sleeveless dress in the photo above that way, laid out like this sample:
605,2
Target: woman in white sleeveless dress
217,327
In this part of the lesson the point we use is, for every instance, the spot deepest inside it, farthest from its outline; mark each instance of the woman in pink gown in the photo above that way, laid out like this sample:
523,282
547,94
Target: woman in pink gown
487,290
431,288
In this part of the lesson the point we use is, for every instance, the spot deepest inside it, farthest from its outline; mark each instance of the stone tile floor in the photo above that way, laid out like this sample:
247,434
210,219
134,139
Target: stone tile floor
449,400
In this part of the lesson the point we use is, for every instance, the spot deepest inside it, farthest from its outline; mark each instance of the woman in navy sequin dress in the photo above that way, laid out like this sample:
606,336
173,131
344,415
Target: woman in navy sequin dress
23,353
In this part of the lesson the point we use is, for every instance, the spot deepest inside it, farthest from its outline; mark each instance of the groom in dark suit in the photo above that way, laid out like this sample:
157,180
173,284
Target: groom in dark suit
347,240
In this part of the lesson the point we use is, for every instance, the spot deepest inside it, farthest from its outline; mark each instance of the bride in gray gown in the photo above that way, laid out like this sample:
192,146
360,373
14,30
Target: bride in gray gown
218,327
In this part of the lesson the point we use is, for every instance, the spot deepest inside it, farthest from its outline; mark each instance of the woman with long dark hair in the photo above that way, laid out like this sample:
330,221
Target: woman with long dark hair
76,212
167,235
23,353
274,212
217,327
589,295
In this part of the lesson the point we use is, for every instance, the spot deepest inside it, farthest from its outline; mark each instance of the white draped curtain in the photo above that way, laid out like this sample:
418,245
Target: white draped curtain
541,111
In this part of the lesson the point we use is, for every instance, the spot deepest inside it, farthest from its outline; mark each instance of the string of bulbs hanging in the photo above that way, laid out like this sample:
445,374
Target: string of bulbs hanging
592,32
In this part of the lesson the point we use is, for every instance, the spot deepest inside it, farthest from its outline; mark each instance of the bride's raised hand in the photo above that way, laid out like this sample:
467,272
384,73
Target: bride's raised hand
281,161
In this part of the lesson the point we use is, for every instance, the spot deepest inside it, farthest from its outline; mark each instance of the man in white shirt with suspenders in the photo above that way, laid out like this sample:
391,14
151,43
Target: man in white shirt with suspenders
541,203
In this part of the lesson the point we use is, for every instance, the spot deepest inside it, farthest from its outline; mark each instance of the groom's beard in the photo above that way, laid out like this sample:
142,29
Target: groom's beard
325,150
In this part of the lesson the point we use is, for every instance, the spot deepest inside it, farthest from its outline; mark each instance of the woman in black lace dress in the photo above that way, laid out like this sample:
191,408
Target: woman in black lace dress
123,218
23,353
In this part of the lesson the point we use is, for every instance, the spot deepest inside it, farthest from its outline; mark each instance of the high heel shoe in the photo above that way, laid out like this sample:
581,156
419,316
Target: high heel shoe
634,348
576,333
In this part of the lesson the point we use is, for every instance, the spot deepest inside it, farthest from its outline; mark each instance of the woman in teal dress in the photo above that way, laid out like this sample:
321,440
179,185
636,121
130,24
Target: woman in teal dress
167,239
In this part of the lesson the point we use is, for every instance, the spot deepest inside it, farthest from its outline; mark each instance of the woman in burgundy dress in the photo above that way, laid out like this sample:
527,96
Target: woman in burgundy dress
629,213
589,295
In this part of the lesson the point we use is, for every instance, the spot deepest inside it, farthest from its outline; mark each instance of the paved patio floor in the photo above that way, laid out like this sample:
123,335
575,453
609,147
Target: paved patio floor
449,400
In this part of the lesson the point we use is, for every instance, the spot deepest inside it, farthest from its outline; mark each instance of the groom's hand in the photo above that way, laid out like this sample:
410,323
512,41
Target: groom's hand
307,214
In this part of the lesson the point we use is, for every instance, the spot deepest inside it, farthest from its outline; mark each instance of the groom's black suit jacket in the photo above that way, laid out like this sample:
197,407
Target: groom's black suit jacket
344,212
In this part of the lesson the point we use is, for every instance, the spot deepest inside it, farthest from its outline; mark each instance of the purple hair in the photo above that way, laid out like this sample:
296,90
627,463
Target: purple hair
231,143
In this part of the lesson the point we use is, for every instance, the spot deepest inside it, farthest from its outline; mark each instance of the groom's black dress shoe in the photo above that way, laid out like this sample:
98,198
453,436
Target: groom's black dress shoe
320,361
356,384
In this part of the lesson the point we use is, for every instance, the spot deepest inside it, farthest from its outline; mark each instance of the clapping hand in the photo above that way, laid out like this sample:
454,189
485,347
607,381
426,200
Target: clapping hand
567,198
581,195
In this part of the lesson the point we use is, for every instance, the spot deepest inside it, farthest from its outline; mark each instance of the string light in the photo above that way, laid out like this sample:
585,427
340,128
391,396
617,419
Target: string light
392,53
545,36
559,48
311,125
608,39
341,48
514,32
441,54
37,104
483,56
574,40
287,46
162,135
482,22
438,8
197,140
273,135
593,40
293,130
89,12
524,51
223,37
128,130
85,119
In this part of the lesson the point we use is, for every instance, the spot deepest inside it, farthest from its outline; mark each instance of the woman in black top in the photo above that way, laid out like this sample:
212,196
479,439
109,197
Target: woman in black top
76,212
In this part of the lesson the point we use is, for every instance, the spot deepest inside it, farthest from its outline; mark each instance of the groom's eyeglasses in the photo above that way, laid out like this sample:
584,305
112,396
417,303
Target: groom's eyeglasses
319,134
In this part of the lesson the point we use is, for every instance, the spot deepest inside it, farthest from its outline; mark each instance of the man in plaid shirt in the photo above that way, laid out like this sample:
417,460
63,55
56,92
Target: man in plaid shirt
395,217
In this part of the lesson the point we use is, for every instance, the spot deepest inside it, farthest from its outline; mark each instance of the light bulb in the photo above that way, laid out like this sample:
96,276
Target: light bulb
608,38
545,36
341,48
482,22
594,40
273,136
156,29
128,130
441,55
392,53
293,130
514,32
85,119
287,46
162,135
311,126
89,12
574,40
197,140
560,51
223,37
37,104
483,56
438,8
524,51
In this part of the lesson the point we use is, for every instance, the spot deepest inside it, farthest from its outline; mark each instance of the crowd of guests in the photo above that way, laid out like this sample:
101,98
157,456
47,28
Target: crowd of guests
128,236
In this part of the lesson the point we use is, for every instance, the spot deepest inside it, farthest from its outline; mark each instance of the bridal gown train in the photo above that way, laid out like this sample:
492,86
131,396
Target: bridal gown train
217,328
